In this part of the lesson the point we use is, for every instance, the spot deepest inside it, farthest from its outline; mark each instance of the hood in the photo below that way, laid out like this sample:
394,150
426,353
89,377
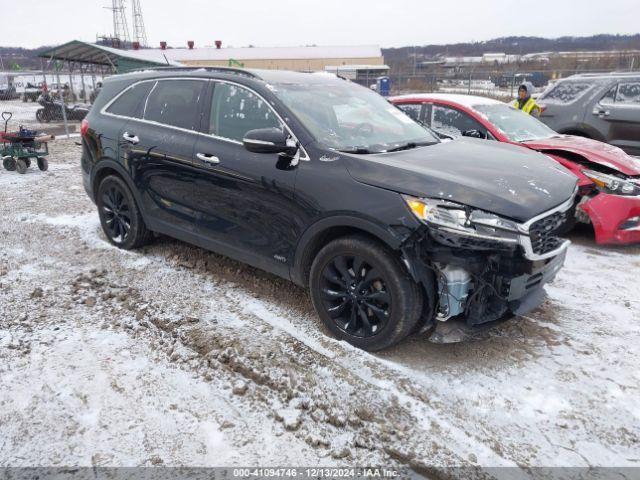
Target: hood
591,150
503,179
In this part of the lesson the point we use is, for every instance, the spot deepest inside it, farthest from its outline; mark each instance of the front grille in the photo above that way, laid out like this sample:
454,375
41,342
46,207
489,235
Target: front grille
543,232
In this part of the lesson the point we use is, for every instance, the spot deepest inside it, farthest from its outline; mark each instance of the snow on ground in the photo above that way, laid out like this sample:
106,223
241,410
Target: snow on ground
172,355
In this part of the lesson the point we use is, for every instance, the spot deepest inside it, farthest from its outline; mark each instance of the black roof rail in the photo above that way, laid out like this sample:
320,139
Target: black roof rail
233,70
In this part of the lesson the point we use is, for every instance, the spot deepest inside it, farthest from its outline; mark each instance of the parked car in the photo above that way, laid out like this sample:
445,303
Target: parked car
609,179
323,182
603,107
31,92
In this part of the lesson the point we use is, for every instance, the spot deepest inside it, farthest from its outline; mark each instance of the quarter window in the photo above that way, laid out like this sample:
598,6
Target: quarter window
131,102
236,110
176,103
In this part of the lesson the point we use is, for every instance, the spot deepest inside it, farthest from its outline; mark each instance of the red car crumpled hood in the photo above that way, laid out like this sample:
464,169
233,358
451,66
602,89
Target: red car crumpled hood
592,150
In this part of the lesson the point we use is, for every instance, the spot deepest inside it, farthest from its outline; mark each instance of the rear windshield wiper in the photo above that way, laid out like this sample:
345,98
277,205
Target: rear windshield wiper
410,145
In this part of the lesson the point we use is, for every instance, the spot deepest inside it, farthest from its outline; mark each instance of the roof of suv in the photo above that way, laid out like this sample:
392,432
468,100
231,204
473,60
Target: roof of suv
268,76
602,76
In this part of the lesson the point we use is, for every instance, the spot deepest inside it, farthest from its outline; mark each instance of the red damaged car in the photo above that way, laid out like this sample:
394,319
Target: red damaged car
609,179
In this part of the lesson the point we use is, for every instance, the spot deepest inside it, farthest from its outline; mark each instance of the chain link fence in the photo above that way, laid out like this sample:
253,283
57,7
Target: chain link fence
499,85
53,102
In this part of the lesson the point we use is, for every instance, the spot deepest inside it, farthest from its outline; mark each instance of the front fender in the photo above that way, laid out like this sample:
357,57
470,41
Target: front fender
393,238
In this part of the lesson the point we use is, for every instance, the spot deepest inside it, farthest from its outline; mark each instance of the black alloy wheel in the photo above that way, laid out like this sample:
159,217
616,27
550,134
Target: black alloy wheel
116,212
363,292
355,296
120,217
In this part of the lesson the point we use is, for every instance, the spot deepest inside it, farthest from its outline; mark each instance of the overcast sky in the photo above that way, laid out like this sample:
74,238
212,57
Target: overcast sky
389,23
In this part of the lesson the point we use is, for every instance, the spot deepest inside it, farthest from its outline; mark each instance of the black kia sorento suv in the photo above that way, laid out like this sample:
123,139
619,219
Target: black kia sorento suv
325,183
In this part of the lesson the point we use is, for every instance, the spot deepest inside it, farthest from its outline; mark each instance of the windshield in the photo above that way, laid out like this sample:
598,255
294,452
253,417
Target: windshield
516,125
345,116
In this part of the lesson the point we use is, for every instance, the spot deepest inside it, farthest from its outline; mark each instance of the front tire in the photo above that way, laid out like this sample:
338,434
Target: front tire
9,163
363,294
120,217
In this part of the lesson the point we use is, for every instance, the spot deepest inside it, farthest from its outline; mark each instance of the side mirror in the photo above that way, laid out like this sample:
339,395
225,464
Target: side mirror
473,134
269,140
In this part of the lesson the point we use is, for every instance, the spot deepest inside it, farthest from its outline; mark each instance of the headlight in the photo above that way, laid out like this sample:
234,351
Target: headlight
612,184
466,221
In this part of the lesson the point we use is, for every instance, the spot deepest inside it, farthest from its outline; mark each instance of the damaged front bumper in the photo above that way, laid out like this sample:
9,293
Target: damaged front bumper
615,218
472,284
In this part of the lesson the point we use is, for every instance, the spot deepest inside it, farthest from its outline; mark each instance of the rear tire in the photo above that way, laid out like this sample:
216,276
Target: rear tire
43,164
120,216
363,294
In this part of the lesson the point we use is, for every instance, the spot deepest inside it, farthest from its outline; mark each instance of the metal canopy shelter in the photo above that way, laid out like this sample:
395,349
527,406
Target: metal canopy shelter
115,60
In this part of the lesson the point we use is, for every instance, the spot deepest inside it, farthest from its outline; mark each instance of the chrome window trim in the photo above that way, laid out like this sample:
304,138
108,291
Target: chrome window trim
103,111
304,157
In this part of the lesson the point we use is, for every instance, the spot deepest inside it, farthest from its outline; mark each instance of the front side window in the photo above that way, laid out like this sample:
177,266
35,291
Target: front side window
515,124
235,110
628,93
452,121
131,102
176,103
347,117
610,96
565,92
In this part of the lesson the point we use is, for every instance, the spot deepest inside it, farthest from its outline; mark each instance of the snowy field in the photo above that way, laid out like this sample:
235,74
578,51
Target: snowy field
172,355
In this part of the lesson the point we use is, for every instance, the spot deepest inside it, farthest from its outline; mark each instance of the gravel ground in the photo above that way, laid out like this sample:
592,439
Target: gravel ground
172,355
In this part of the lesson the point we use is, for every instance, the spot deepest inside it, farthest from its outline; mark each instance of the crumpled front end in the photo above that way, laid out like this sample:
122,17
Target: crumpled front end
479,280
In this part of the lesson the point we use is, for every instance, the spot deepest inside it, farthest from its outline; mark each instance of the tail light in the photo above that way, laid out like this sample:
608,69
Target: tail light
84,127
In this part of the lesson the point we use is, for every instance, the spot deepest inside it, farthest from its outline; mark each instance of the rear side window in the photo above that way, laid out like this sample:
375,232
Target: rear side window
566,92
236,110
412,109
176,103
453,122
628,93
131,102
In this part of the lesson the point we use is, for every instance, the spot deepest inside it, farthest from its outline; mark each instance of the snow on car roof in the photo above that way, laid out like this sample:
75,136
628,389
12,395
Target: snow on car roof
469,101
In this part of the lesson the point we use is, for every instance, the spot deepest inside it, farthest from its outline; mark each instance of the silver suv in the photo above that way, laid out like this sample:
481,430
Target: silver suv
604,106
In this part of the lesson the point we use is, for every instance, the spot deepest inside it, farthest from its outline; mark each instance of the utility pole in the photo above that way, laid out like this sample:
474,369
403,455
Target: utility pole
139,32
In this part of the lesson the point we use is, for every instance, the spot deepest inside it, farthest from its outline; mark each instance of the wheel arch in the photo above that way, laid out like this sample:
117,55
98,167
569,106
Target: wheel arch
106,167
328,229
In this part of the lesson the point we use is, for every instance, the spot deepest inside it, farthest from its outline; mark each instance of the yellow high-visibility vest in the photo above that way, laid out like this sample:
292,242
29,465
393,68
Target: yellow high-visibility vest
527,107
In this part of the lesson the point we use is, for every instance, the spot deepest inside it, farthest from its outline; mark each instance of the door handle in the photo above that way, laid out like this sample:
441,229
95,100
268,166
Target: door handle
601,112
210,159
131,138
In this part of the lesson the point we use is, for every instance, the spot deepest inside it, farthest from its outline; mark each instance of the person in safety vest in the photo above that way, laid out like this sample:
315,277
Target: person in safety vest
525,102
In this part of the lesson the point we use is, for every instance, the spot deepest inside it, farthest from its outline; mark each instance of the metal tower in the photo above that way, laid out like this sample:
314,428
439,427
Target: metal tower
139,32
120,26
